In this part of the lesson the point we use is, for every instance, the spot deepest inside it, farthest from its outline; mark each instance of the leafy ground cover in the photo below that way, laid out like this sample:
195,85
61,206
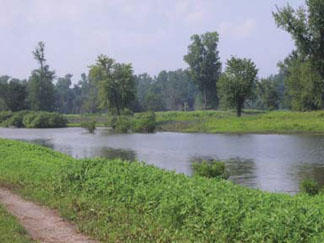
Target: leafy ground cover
10,229
118,201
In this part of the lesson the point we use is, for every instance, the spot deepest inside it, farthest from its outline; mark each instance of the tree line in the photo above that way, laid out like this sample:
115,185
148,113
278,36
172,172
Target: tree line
112,86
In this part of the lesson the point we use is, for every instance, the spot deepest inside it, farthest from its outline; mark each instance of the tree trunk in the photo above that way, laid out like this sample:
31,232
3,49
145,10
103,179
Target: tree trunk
205,98
238,110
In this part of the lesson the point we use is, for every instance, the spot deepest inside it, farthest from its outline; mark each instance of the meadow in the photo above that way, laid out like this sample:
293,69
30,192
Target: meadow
120,201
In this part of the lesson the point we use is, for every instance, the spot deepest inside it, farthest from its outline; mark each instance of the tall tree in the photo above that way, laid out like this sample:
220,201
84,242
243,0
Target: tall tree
237,83
41,93
306,26
205,66
269,94
13,93
115,82
64,95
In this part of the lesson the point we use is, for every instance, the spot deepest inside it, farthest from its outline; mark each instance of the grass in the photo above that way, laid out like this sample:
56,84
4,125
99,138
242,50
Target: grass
10,229
116,201
250,122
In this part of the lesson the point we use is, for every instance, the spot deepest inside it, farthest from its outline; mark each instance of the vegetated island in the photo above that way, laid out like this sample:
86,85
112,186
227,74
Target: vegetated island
119,201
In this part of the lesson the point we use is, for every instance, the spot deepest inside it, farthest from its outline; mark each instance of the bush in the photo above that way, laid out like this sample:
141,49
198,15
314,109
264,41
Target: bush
44,120
310,187
213,169
120,124
4,115
123,124
16,120
145,122
90,126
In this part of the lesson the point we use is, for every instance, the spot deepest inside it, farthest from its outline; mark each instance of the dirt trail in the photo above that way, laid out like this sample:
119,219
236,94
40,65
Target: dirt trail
42,224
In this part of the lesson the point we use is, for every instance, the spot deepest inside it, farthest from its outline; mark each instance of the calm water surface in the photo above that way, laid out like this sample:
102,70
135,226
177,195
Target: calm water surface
269,162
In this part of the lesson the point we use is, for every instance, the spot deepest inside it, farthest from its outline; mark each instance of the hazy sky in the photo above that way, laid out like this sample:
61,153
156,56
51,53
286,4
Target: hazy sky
151,34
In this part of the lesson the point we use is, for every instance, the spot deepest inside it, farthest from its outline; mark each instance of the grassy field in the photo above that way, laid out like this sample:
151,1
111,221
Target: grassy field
116,201
10,230
252,121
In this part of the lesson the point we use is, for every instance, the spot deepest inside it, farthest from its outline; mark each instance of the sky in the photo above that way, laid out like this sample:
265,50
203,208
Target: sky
153,35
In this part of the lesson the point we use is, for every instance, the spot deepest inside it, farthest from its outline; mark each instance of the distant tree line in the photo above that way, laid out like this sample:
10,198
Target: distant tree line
112,86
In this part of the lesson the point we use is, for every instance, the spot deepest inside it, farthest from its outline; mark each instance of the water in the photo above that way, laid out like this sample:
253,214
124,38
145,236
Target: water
274,163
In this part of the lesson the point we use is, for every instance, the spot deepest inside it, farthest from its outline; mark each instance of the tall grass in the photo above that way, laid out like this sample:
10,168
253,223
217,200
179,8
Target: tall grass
118,201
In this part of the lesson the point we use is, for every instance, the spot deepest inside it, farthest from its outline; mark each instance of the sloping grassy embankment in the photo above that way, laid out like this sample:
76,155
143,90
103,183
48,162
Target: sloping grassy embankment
119,201
250,122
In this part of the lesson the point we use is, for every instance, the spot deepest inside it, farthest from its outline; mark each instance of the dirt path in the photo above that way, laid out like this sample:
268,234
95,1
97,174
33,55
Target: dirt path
41,223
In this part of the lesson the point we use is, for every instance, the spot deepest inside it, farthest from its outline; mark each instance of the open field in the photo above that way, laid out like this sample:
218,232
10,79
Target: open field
118,201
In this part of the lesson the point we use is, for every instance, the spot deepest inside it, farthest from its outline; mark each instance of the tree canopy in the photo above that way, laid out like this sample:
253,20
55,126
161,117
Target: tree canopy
237,83
205,66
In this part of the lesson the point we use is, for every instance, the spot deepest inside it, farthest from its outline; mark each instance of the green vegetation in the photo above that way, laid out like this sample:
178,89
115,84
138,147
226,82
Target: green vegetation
205,66
10,229
120,201
210,169
310,187
250,122
237,83
30,119
90,126
145,122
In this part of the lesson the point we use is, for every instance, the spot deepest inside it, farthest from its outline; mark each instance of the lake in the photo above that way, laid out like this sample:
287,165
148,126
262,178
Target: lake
275,163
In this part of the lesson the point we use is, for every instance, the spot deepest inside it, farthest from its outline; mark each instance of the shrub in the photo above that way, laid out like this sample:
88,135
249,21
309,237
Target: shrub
90,126
310,187
4,115
123,124
213,169
145,122
16,120
44,120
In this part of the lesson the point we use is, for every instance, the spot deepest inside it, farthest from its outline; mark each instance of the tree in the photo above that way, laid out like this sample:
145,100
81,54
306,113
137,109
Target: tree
41,93
269,94
305,86
237,83
115,83
64,95
13,93
306,26
205,66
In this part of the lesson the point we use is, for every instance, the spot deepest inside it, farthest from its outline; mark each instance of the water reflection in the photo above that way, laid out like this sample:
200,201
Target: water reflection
269,162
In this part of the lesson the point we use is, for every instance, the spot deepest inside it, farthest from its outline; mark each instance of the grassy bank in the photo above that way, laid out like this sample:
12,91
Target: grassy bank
75,120
10,229
119,201
250,122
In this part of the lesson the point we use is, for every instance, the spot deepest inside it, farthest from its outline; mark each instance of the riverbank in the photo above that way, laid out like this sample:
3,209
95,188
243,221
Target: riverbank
276,122
280,122
114,201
